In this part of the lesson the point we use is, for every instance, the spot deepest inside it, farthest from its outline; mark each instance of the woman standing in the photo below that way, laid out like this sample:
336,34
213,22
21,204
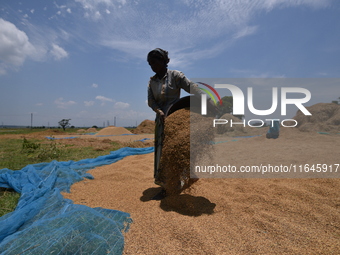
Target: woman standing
163,91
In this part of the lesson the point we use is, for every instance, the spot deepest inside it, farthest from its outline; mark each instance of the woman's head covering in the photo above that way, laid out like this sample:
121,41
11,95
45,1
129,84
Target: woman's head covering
160,54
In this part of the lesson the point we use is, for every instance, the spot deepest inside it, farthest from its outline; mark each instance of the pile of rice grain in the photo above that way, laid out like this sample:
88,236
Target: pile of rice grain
112,130
91,130
175,160
145,127
325,118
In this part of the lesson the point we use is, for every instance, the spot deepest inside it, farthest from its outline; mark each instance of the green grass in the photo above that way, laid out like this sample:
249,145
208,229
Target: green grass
8,201
17,153
10,154
18,131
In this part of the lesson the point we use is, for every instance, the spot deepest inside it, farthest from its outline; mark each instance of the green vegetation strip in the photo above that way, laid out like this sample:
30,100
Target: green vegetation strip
18,153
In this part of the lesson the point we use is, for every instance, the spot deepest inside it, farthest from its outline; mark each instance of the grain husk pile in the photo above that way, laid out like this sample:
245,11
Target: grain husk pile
325,118
112,130
145,127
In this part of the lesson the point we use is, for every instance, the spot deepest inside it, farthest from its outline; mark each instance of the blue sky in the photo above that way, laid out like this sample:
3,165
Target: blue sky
85,60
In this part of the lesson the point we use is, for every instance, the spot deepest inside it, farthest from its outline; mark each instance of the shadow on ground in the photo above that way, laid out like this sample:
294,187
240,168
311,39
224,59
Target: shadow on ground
183,204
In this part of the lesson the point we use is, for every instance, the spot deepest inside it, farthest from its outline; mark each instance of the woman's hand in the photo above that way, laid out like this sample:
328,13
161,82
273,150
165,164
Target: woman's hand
161,115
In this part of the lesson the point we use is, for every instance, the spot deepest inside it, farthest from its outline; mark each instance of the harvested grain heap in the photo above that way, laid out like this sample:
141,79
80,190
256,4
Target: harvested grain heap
112,130
91,130
145,127
325,118
175,160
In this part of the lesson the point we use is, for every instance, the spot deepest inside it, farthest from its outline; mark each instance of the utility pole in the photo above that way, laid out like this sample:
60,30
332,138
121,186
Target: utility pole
31,120
114,121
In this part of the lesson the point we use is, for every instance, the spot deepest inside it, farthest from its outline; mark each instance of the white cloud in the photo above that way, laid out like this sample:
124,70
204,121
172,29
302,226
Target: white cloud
184,33
104,99
93,8
248,30
198,29
88,103
121,105
57,52
15,46
95,4
97,15
94,85
270,4
63,104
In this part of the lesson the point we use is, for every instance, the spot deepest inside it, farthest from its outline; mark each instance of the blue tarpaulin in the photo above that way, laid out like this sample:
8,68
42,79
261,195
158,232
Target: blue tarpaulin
46,223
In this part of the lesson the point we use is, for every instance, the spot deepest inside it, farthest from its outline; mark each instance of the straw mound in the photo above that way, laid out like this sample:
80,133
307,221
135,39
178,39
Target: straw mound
91,130
175,160
146,127
112,130
325,118
81,130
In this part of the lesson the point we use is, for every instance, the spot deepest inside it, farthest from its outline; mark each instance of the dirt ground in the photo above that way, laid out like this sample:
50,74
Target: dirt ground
225,215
